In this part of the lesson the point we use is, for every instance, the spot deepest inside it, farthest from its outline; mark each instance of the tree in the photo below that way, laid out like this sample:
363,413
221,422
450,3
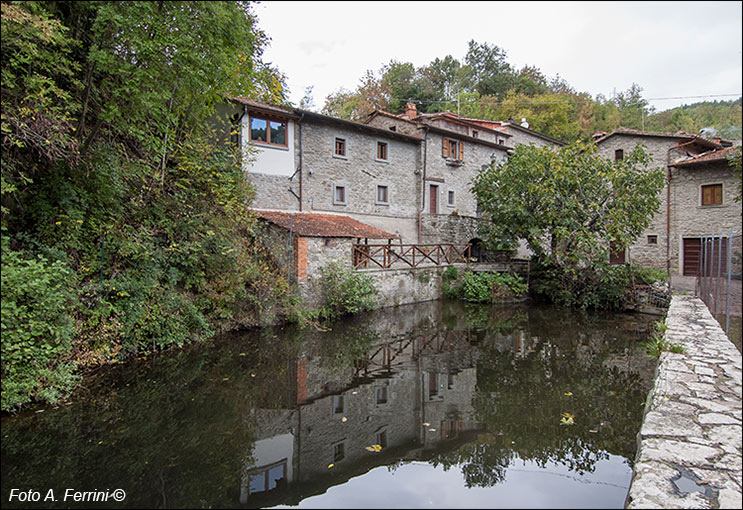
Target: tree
488,72
567,205
307,102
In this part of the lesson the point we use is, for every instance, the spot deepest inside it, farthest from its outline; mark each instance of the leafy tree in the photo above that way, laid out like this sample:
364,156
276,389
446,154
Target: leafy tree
487,69
307,102
567,205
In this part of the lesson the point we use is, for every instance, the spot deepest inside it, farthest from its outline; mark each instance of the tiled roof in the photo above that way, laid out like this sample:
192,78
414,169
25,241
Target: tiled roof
283,110
707,157
323,225
679,134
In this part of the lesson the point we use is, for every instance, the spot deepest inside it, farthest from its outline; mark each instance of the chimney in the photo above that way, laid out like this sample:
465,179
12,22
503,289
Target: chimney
411,111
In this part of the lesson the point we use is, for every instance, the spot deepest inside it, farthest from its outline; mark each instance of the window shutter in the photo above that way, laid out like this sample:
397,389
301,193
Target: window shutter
461,151
445,148
718,195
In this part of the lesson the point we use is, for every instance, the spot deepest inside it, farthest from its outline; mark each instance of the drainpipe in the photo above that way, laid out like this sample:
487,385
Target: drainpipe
423,187
668,218
299,123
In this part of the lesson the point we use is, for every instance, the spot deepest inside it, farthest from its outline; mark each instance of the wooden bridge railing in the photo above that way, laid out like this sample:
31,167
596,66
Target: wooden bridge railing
384,256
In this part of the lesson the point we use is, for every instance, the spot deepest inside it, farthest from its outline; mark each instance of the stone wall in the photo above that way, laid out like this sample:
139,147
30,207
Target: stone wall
361,172
689,218
642,251
455,178
519,137
447,228
403,286
689,453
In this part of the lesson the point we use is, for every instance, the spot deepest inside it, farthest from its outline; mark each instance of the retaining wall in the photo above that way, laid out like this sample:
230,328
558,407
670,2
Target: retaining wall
689,453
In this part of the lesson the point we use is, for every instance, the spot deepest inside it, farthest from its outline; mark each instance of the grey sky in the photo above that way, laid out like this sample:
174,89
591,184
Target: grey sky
670,49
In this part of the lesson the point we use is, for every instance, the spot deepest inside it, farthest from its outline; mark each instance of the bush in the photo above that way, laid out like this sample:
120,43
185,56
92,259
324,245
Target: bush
649,275
488,287
38,307
448,283
345,291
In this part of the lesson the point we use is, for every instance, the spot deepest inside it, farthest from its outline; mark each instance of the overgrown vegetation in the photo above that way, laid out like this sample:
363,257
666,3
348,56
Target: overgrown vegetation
124,210
482,287
657,344
569,205
345,291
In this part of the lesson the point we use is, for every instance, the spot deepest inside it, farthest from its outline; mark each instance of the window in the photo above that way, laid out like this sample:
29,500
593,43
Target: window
712,194
382,395
475,134
618,154
652,239
500,141
450,198
338,404
433,385
339,195
393,128
449,381
382,151
340,147
328,242
339,452
452,149
272,132
266,478
383,195
382,438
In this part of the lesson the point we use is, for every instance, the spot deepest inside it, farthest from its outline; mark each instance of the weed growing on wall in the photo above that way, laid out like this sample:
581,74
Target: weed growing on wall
345,291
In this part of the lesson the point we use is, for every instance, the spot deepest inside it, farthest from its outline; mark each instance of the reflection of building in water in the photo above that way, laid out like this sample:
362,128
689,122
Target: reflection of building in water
411,396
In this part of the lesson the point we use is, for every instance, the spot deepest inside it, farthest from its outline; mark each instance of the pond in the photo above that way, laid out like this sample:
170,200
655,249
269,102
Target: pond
438,405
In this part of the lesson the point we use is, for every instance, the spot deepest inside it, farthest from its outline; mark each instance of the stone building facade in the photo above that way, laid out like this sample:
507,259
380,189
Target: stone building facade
681,213
703,203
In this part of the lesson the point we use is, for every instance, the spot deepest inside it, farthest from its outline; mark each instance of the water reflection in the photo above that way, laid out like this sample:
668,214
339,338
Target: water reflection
275,417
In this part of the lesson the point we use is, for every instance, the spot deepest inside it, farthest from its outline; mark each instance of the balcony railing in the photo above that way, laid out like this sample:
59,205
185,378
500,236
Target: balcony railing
389,256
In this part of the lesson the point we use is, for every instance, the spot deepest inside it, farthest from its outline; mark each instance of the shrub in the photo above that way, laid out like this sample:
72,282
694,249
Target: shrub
345,291
448,283
38,307
487,287
649,275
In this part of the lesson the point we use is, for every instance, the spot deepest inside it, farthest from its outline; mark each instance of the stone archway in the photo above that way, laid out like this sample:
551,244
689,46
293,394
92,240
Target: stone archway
476,249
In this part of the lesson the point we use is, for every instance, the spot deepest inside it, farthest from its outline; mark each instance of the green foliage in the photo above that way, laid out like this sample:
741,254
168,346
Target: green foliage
115,166
567,205
38,309
345,291
491,287
648,275
449,287
657,344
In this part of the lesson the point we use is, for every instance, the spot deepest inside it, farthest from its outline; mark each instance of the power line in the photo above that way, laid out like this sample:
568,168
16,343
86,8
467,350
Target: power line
576,101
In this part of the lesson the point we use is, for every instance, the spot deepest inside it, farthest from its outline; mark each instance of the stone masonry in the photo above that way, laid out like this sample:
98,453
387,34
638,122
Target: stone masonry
689,453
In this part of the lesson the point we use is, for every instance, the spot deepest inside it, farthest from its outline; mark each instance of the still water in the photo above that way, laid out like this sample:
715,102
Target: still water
434,405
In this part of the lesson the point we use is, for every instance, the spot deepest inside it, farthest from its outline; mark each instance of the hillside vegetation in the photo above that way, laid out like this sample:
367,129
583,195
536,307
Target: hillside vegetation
485,85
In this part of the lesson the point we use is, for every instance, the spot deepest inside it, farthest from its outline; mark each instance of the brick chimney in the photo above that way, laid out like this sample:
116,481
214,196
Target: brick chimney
411,111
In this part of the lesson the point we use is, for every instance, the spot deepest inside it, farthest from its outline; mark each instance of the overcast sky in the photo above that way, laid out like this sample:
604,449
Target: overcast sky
670,49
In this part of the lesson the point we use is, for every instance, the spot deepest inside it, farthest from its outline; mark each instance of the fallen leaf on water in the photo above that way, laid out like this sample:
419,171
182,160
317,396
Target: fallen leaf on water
568,394
330,465
432,430
252,375
426,424
344,419
243,354
226,379
374,448
566,421
593,431
568,415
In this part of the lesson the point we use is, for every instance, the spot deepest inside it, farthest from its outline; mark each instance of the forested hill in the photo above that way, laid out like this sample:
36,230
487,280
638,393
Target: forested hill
485,85
723,116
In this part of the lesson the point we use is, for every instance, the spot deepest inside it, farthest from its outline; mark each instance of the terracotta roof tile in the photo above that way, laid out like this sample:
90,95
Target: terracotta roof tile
323,225
707,157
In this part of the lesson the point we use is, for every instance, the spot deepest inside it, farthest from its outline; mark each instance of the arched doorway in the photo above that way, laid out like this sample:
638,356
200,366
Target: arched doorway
476,249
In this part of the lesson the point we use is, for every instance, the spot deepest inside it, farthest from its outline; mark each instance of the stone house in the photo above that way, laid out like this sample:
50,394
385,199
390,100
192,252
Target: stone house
703,203
690,161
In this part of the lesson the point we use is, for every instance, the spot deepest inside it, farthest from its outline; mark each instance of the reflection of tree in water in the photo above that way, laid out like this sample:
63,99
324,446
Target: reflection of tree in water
521,396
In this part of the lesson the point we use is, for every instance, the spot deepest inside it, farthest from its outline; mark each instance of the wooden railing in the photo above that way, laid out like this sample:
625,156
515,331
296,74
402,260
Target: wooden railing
384,256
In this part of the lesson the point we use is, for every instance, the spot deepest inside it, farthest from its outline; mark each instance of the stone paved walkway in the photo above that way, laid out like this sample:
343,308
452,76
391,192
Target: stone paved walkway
690,453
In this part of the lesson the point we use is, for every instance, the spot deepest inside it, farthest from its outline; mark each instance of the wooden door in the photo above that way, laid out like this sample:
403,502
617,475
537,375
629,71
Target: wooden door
433,199
616,254
691,256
